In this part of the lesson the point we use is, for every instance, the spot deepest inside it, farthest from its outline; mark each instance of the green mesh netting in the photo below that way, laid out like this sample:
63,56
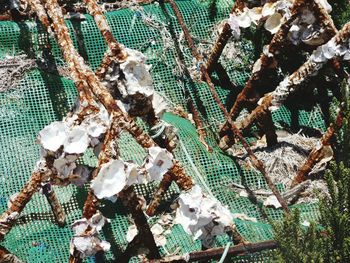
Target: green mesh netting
42,97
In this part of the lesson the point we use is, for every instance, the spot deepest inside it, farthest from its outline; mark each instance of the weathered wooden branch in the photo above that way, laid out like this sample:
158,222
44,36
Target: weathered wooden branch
292,83
318,153
223,38
9,217
7,257
248,97
255,161
55,204
216,253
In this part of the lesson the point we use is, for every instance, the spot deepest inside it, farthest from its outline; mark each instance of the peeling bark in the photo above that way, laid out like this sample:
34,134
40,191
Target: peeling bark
318,153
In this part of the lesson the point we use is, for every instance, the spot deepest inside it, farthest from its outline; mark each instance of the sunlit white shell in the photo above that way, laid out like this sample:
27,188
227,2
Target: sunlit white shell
77,141
273,23
110,180
159,161
53,136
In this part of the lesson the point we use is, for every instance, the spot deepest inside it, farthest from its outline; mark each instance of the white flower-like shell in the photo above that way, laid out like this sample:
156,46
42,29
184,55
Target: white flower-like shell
159,105
133,174
255,14
137,74
273,23
201,216
110,180
53,136
77,141
244,19
307,17
329,49
81,175
132,232
158,162
272,201
90,245
64,165
318,56
234,25
268,9
80,226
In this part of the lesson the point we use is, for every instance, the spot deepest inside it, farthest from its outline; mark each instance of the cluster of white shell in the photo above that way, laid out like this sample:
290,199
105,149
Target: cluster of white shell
67,140
317,59
273,15
116,174
202,216
85,239
134,85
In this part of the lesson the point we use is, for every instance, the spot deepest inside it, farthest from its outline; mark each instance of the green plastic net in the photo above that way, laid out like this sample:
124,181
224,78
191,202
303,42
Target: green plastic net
42,97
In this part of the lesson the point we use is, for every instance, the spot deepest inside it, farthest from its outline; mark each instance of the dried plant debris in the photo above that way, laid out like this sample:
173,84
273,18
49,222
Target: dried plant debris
12,70
282,163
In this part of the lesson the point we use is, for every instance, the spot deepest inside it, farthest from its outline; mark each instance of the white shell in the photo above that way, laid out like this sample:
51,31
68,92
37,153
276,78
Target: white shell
159,105
268,9
244,20
307,17
255,14
272,201
234,25
136,72
329,49
89,245
134,176
201,216
81,175
53,136
157,229
77,141
110,180
159,161
79,226
273,23
132,232
64,166
326,5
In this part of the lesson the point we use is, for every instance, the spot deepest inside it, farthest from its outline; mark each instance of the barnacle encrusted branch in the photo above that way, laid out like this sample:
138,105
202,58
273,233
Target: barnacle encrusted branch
116,49
337,47
7,257
224,36
56,206
9,217
121,119
300,15
256,162
320,151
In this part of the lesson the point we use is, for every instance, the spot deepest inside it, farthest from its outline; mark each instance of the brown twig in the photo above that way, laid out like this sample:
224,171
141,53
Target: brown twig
216,253
145,236
223,38
9,217
54,204
7,257
318,153
292,83
248,97
256,162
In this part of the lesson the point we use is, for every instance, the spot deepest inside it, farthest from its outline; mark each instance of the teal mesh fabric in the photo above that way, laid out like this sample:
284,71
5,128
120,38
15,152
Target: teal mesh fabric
42,97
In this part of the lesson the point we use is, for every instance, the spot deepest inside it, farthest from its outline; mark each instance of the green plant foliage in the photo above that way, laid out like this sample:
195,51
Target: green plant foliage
297,243
340,12
330,242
